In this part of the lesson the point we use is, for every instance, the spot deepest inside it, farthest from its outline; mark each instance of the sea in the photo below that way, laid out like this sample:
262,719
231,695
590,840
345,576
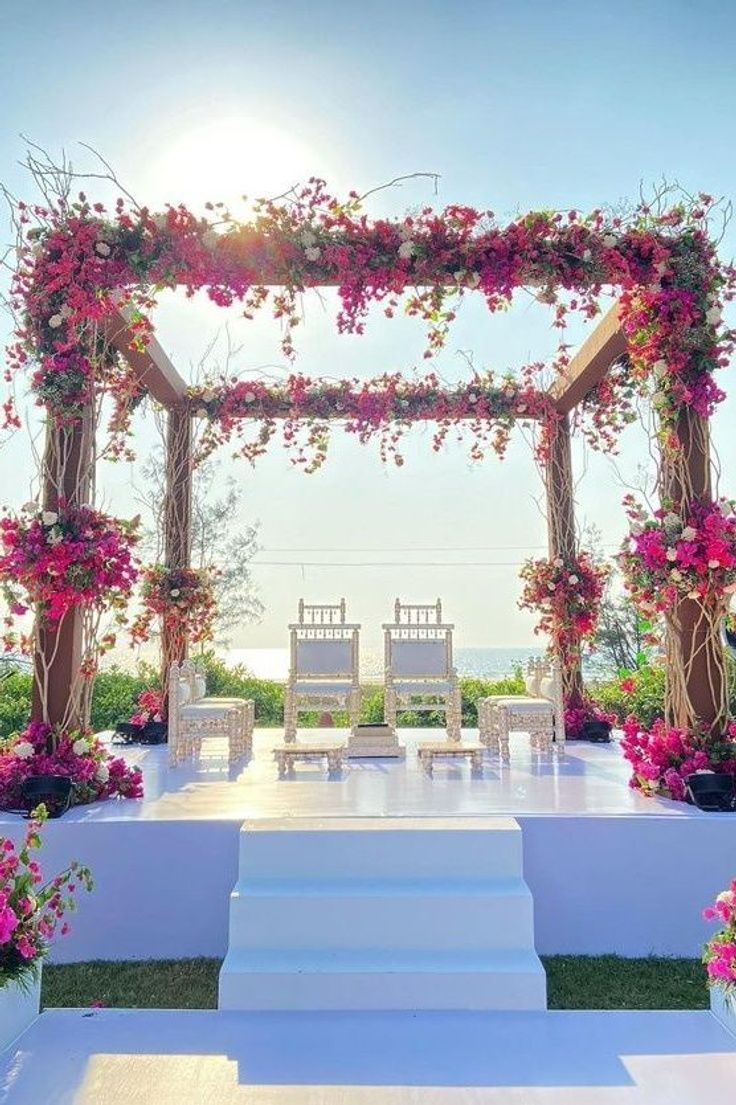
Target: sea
483,663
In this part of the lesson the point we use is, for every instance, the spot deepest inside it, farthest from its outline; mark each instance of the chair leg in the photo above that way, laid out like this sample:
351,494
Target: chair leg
454,715
290,716
502,722
354,707
389,707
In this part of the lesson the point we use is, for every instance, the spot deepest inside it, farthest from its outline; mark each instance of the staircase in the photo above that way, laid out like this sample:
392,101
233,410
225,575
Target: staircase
381,913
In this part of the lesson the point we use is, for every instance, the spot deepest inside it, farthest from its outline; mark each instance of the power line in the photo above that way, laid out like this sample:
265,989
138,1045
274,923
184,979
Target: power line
385,563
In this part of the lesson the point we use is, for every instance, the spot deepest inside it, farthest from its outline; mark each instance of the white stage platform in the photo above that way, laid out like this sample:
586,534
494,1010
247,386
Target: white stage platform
117,1057
609,871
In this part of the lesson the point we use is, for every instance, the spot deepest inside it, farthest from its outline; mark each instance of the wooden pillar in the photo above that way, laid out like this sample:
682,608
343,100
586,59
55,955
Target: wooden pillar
697,685
561,532
66,476
177,518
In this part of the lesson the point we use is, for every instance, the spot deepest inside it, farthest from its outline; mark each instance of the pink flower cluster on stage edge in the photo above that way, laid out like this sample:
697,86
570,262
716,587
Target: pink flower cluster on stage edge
667,558
59,559
719,954
31,910
662,757
79,756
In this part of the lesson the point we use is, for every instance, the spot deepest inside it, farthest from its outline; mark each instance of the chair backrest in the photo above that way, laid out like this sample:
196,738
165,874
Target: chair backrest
321,614
418,645
323,644
550,687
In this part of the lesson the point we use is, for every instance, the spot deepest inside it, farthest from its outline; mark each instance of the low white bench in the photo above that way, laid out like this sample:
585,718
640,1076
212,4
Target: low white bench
287,754
428,752
191,718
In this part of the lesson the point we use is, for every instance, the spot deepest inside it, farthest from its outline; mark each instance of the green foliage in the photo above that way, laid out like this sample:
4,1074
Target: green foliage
115,693
15,702
646,700
573,981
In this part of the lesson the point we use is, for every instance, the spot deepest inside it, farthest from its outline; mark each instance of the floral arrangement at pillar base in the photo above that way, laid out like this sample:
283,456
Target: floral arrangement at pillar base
30,914
81,757
147,724
719,956
585,720
663,757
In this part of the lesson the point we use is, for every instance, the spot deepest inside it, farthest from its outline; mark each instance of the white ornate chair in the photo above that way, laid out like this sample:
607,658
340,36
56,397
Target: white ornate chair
419,669
540,712
190,722
324,665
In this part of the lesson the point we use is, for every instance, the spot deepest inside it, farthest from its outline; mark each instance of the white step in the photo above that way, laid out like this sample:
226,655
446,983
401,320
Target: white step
385,848
382,913
325,980
410,916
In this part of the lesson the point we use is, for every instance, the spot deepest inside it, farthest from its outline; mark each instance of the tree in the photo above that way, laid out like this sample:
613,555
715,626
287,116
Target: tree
622,636
215,542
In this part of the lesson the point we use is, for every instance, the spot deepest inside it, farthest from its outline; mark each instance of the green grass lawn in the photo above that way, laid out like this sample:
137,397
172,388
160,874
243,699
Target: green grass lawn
574,982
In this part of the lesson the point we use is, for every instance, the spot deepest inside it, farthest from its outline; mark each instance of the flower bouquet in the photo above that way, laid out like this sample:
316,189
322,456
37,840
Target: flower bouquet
719,956
31,911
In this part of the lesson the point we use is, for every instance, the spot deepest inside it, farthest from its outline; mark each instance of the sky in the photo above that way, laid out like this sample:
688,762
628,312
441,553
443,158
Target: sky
514,105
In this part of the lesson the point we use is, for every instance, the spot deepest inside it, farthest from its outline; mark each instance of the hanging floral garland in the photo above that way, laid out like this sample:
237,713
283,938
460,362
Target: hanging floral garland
181,600
566,595
78,264
384,407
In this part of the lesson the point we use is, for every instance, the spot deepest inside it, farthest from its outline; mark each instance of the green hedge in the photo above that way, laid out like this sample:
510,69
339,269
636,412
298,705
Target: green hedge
115,693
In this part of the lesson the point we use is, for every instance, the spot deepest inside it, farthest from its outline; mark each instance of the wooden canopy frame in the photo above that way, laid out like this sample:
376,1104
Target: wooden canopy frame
60,650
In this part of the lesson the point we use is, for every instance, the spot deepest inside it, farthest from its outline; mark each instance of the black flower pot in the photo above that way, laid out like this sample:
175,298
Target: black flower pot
127,733
713,791
154,732
597,731
54,791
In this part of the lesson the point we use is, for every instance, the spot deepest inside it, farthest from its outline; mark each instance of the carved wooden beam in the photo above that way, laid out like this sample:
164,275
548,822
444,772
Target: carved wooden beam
591,362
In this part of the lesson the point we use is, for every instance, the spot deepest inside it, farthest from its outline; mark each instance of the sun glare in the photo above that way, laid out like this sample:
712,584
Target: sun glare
227,158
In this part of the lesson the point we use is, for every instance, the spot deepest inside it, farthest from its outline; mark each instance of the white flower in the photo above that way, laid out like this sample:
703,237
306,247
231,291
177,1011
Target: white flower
65,311
661,268
671,520
201,412
407,250
49,517
672,554
55,537
660,368
559,562
30,507
157,717
175,593
472,398
24,750
313,253
713,316
102,774
551,586
405,231
728,897
659,399
587,255
473,280
574,580
103,249
689,533
55,322
80,747
210,238
676,575
308,239
609,240
459,276
521,408
714,563
693,595
250,397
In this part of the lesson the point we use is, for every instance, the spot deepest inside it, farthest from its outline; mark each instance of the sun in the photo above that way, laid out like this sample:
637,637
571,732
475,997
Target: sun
225,159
